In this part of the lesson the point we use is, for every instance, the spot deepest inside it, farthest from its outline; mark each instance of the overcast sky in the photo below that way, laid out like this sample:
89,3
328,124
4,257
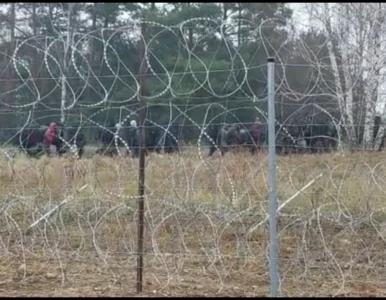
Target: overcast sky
300,15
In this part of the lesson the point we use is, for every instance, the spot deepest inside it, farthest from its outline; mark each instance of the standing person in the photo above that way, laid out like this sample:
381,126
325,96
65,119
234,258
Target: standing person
49,136
256,131
133,138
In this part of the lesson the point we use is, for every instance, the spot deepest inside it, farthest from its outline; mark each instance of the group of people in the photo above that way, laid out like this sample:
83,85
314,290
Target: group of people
158,138
36,141
311,138
229,135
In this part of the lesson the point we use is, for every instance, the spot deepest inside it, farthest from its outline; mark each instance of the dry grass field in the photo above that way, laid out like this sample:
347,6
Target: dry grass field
204,232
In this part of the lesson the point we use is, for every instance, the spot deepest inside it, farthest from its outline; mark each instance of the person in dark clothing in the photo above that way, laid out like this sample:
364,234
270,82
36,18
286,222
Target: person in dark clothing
256,131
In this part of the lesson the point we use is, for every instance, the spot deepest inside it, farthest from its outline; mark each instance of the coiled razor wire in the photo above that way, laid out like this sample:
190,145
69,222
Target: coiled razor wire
217,215
47,46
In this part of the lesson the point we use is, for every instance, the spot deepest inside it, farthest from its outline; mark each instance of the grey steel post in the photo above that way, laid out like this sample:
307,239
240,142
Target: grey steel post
272,191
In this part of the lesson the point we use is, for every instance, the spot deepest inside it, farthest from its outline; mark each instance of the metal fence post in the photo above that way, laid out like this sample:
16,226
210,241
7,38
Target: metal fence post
272,191
141,171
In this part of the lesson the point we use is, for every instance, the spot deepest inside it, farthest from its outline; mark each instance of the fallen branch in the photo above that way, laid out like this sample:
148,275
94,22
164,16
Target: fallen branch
288,201
51,212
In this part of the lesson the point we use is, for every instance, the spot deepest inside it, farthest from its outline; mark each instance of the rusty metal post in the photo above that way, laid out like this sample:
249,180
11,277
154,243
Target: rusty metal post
141,173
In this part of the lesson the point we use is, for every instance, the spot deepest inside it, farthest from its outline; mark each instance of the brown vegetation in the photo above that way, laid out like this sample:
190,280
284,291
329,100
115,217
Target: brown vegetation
201,233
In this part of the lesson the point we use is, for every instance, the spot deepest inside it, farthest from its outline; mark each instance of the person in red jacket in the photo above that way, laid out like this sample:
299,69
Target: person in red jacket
49,136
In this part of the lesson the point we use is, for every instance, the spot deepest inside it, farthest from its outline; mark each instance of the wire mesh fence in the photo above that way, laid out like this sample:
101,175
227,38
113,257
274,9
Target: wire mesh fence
69,222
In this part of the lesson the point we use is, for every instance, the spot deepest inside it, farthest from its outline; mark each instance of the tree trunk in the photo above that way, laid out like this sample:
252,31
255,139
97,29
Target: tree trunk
190,34
65,67
34,25
92,49
347,79
11,46
37,60
372,90
335,70
239,25
381,72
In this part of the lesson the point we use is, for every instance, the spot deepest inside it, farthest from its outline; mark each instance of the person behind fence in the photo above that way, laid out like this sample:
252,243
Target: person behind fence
229,136
49,136
256,131
133,138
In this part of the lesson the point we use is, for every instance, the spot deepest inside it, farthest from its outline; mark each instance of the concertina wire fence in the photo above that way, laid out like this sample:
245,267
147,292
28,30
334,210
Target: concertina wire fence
73,223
